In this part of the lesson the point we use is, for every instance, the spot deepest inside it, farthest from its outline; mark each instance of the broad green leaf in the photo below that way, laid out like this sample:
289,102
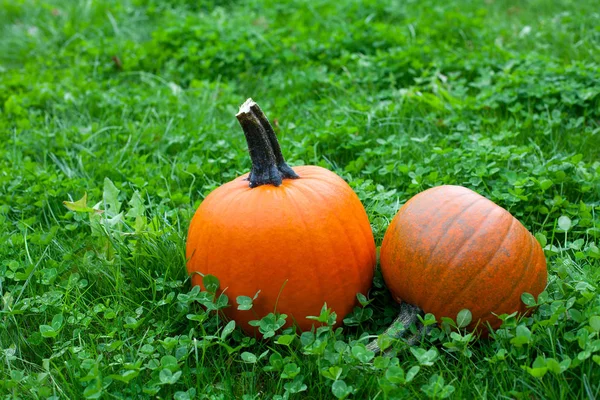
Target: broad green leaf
555,367
545,184
126,376
249,357
47,331
244,303
541,238
395,375
228,329
290,371
412,372
425,357
190,394
79,205
197,317
463,318
523,331
539,362
93,391
362,299
362,354
296,386
537,372
340,389
384,341
57,321
429,319
528,299
564,223
595,323
136,206
285,340
112,205
538,368
436,388
211,283
169,362
117,344
333,373
381,362
167,377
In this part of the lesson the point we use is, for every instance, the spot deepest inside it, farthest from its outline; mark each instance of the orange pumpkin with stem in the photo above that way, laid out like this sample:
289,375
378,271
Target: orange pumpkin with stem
298,235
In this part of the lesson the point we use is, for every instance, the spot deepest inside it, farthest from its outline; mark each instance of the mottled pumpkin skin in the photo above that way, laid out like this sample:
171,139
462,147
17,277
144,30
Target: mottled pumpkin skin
303,243
449,248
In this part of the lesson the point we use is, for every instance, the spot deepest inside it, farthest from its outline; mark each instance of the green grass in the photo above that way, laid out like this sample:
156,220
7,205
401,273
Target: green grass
395,96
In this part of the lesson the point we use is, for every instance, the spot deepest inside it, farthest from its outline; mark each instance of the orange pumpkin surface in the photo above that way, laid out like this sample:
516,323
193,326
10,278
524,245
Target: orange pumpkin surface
449,248
299,235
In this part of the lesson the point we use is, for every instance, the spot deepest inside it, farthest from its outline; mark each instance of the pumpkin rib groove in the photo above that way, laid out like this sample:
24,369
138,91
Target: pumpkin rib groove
347,236
254,277
290,199
356,256
448,223
439,208
520,281
470,282
343,229
300,211
458,251
226,207
367,234
365,229
393,227
231,195
427,267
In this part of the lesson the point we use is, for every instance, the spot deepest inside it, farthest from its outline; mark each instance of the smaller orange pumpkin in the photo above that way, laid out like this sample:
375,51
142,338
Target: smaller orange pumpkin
449,248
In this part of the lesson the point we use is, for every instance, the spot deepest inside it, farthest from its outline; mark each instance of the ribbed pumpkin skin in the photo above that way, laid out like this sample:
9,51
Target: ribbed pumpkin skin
309,239
449,248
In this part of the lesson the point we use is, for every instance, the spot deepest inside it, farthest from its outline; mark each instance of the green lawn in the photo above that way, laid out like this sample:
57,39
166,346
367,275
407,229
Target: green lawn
133,103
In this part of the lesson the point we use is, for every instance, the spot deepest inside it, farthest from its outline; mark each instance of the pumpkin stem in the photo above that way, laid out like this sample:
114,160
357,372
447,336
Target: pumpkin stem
286,170
268,164
408,315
